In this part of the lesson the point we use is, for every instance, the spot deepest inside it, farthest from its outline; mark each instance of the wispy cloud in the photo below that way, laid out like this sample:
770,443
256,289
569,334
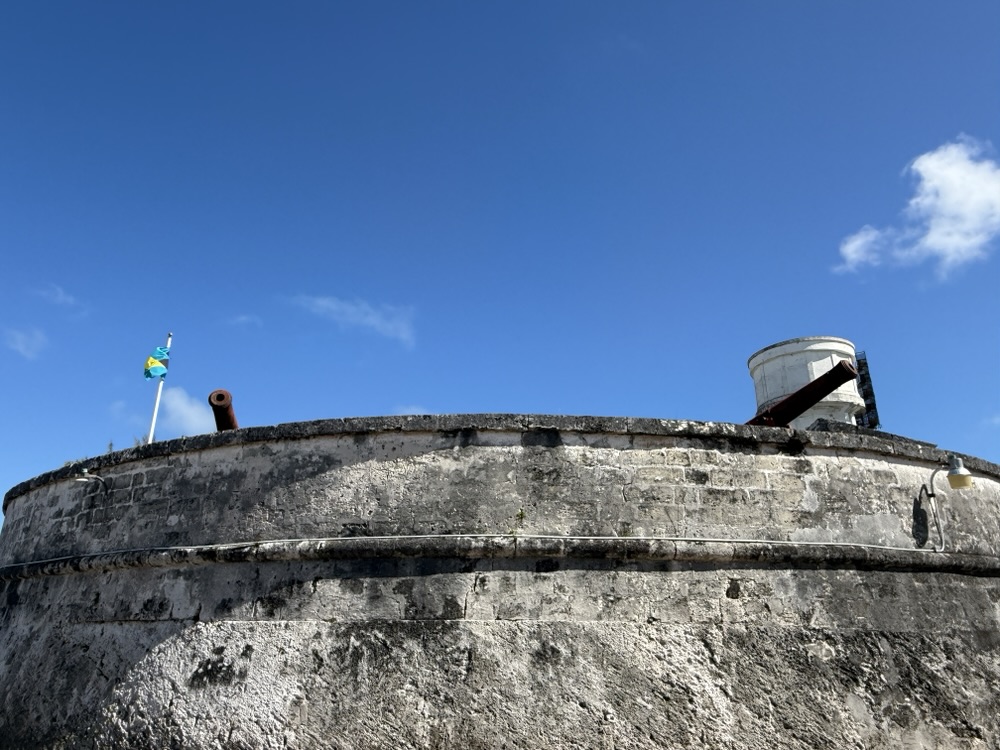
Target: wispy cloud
953,217
121,412
184,414
56,295
863,248
28,342
385,320
246,320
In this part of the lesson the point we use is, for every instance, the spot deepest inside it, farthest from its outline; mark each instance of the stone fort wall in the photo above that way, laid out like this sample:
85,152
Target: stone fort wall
502,581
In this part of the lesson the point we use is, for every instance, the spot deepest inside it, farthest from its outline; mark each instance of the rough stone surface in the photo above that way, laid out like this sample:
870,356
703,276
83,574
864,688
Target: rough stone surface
500,581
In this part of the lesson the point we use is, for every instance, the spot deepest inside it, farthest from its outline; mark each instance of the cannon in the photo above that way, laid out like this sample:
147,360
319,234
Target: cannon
794,404
221,402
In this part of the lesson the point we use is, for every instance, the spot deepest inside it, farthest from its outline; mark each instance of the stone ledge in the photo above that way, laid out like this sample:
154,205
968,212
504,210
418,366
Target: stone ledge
716,552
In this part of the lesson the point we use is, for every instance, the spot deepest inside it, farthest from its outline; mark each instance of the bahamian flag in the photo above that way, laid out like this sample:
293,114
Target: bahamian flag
156,364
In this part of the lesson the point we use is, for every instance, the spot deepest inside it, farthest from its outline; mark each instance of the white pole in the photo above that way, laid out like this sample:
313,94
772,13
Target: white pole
159,392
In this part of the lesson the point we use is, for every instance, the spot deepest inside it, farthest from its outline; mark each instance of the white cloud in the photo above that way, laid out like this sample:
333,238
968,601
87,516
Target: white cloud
28,343
957,205
246,320
56,295
184,414
121,412
392,322
952,218
861,249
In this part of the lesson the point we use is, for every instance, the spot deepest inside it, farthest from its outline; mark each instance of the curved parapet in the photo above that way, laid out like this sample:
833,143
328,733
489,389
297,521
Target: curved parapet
502,581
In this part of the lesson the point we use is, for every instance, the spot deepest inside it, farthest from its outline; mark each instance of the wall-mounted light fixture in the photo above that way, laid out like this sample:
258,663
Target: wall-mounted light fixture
86,476
959,478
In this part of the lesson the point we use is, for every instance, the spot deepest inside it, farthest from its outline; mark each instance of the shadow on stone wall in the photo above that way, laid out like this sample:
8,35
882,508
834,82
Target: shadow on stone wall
500,653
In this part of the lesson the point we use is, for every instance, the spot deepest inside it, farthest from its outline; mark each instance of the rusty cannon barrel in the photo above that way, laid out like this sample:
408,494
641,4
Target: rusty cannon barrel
782,413
221,402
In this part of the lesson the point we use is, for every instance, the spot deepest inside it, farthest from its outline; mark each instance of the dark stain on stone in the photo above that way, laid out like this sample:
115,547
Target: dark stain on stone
154,607
12,596
247,652
986,640
215,671
544,437
355,529
546,565
802,466
547,653
271,604
403,587
463,438
732,443
544,474
318,661
411,610
452,609
733,592
792,447
352,585
696,476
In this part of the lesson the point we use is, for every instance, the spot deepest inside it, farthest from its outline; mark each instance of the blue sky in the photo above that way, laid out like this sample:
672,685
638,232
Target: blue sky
350,209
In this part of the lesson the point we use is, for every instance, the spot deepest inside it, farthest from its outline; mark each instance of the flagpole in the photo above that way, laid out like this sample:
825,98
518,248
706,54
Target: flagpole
159,392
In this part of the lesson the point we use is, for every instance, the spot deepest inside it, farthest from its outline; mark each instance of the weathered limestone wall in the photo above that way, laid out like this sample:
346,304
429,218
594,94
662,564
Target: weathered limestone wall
502,581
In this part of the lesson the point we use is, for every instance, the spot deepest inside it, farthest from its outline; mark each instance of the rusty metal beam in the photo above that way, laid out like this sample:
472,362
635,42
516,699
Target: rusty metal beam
795,404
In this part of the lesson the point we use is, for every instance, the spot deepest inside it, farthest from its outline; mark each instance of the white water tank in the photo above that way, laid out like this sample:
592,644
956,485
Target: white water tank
781,369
